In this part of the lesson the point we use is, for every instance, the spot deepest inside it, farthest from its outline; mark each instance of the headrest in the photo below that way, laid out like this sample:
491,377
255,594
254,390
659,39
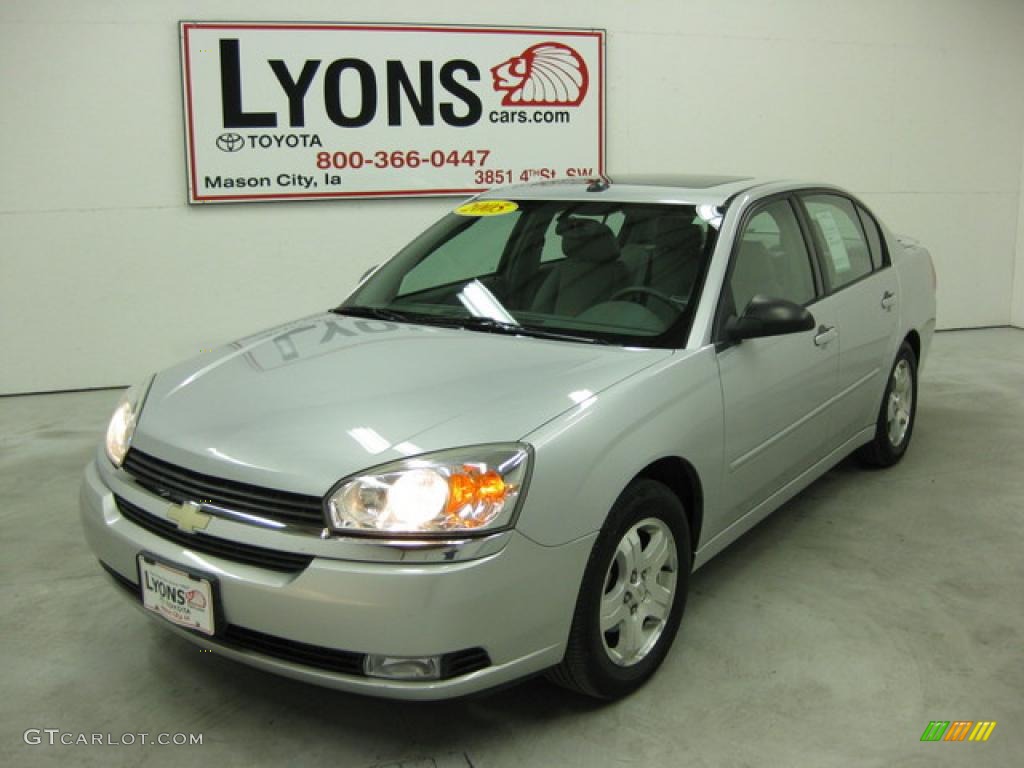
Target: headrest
679,232
587,240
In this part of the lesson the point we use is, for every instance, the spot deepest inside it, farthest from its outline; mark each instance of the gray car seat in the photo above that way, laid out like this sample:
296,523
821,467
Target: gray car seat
590,273
671,261
676,260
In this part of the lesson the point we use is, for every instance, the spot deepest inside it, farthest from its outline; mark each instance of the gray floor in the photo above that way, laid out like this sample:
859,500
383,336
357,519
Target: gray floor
828,636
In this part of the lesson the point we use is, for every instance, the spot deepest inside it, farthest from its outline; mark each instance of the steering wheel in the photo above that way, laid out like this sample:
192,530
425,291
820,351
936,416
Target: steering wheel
644,290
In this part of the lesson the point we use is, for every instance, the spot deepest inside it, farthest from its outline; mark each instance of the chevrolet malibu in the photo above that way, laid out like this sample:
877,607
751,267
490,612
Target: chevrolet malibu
505,452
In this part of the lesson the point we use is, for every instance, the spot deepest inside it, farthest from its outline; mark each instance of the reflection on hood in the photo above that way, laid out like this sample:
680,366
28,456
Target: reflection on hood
300,406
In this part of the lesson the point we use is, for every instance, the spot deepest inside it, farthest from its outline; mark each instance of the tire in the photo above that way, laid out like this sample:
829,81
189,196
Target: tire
643,555
895,424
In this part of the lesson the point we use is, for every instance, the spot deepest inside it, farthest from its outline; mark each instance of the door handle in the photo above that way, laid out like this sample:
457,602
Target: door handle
888,300
826,333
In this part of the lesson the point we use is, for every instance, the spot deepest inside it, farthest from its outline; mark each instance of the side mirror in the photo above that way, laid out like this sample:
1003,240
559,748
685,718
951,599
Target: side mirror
765,316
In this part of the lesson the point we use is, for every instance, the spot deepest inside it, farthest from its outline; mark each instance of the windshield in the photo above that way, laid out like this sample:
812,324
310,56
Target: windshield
622,273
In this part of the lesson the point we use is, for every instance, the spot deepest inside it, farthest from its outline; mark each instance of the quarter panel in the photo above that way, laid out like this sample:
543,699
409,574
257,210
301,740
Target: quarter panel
914,266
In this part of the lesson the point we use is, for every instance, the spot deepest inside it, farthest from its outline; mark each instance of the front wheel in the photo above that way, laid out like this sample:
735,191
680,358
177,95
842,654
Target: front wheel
895,422
632,597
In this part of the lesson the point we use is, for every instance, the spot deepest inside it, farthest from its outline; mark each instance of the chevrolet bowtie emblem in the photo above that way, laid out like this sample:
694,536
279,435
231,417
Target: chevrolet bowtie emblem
189,517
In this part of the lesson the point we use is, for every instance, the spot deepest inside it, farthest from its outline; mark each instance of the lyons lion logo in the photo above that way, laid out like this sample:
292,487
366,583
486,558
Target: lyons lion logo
543,75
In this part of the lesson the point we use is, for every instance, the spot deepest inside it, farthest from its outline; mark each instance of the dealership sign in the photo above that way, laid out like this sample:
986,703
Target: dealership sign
311,111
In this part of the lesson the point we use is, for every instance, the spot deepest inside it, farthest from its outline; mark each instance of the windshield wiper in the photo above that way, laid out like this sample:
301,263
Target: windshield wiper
491,325
381,313
469,323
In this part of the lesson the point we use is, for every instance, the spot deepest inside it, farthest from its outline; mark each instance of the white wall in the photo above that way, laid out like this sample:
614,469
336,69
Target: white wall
106,273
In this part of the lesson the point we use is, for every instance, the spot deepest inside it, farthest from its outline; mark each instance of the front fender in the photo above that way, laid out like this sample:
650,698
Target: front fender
587,456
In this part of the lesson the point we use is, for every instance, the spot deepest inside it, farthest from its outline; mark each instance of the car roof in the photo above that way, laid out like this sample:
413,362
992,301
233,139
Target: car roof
688,189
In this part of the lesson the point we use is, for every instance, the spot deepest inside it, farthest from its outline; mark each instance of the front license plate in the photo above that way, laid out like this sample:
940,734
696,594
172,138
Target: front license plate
179,597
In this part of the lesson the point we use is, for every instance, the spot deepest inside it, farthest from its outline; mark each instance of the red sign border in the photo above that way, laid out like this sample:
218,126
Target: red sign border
186,26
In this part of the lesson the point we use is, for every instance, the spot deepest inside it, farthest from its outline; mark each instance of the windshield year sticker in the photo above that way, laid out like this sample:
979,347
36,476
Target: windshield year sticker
487,208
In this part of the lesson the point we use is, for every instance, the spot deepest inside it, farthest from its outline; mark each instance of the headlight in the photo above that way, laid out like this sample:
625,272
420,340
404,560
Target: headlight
122,423
460,491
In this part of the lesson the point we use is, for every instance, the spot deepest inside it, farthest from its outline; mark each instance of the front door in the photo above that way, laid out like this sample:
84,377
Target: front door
777,390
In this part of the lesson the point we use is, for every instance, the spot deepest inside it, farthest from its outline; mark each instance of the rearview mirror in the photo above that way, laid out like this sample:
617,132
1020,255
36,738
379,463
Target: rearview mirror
766,316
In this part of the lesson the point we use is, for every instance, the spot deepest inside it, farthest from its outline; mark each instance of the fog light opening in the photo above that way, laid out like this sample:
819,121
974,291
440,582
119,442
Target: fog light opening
403,667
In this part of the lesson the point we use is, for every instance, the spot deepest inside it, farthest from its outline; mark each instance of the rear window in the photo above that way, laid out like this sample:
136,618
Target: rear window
836,228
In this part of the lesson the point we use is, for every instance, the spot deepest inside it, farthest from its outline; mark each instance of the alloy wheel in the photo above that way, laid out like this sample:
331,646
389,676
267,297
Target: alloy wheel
900,404
639,589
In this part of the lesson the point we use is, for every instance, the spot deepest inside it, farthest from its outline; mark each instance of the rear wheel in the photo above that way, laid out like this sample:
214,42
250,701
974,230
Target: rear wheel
895,423
632,597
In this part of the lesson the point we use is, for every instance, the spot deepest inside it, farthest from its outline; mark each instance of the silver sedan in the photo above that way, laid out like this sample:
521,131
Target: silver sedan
505,452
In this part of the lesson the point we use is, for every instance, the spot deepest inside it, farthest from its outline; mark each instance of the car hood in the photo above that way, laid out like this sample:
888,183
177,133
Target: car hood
303,405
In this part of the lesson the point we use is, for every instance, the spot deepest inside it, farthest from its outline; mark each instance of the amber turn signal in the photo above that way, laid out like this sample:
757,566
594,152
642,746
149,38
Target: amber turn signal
471,487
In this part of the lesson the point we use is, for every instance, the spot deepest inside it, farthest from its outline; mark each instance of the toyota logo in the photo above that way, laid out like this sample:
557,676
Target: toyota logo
230,142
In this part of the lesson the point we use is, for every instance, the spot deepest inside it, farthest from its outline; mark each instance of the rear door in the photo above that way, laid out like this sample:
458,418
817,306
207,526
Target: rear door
863,285
776,390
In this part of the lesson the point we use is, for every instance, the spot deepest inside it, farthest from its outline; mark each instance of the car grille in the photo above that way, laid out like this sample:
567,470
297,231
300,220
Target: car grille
179,484
261,557
464,662
333,660
330,659
342,662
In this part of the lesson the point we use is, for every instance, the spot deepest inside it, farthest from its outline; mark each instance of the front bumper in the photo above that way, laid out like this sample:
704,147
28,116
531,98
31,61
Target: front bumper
515,604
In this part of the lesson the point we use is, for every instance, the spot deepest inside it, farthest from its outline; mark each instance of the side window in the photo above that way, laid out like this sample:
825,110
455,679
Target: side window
835,226
469,254
771,259
874,237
